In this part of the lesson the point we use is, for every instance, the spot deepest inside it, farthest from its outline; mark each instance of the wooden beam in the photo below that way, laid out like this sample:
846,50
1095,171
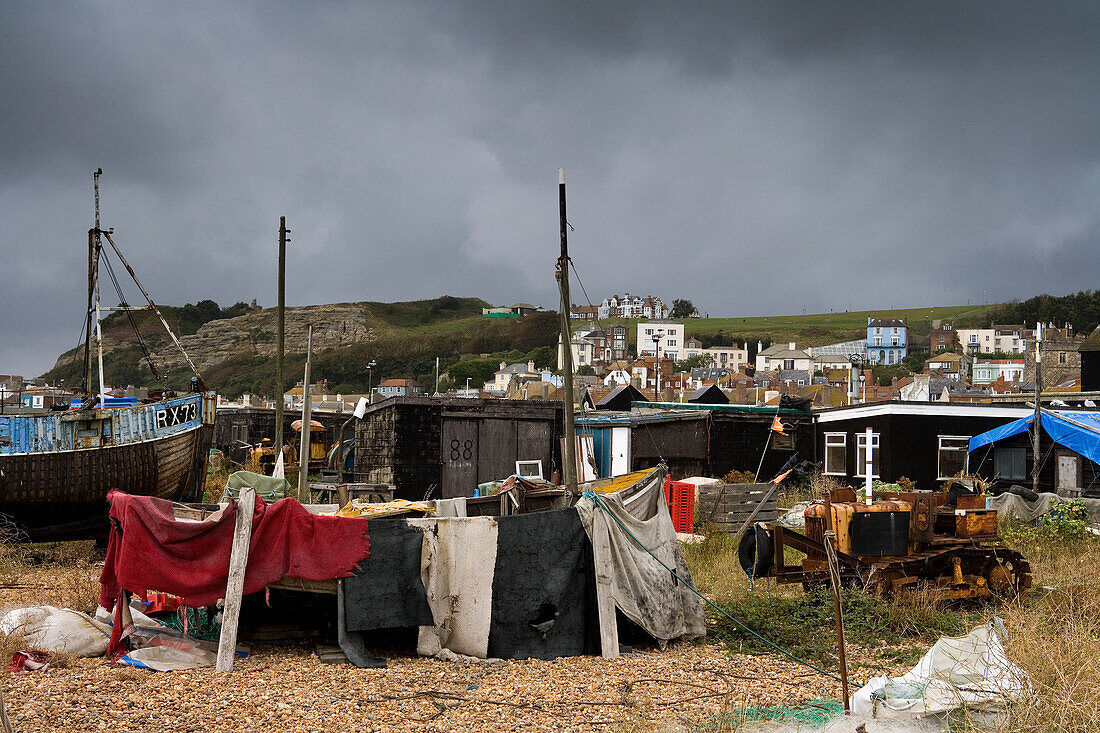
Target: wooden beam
605,603
238,564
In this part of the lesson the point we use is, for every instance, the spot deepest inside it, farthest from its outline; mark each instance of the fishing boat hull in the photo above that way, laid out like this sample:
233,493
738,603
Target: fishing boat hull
62,494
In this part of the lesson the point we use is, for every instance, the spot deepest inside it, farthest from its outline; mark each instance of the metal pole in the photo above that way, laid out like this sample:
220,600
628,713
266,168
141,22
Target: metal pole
569,472
1035,462
280,383
303,459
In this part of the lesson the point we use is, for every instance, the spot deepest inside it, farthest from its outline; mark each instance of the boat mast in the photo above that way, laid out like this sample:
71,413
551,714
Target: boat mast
95,281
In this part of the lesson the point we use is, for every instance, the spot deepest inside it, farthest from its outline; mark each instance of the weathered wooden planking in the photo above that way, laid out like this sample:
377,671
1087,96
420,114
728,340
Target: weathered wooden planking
63,495
729,506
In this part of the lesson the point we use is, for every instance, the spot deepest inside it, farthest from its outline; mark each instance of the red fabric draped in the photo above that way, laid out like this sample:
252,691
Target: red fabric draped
149,549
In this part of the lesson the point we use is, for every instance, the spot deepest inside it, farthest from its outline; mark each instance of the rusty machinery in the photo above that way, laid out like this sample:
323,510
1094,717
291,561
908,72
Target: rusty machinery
942,544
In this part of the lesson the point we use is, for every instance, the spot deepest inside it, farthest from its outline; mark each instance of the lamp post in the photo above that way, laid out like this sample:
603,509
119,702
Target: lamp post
856,361
370,377
657,363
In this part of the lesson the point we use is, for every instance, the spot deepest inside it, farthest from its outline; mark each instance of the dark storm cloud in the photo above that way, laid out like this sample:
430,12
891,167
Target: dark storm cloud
755,157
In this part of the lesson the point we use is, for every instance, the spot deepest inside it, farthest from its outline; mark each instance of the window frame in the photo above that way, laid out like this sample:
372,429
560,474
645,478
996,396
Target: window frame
876,455
843,444
940,449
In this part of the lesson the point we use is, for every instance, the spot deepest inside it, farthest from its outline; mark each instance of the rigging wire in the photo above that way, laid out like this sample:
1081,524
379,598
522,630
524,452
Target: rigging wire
130,317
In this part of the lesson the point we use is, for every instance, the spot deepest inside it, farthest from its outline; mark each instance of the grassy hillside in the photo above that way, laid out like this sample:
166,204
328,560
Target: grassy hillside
406,337
817,329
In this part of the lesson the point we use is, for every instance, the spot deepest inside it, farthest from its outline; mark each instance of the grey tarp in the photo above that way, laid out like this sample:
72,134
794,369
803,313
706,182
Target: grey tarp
643,590
1011,505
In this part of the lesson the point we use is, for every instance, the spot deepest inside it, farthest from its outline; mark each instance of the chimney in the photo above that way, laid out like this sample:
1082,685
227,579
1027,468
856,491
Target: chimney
503,364
759,346
531,366
792,345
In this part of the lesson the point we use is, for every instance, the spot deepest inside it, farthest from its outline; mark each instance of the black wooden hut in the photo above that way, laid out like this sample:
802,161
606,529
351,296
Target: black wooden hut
446,446
711,394
620,398
927,443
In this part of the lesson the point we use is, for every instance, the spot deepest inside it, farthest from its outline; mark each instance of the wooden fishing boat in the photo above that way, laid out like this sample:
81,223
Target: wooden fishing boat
57,468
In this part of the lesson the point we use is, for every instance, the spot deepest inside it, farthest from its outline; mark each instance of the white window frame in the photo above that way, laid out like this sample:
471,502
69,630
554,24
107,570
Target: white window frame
941,448
876,454
831,440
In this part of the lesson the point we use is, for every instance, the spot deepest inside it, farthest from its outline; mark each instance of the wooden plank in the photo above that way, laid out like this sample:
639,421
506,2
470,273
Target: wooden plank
496,450
605,603
238,563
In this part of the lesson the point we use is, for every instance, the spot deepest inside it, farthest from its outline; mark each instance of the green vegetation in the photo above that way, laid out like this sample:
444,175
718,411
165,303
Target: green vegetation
1081,309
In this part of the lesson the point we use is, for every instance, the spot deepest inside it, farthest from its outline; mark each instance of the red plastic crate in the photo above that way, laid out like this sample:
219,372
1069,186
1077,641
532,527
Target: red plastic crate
680,498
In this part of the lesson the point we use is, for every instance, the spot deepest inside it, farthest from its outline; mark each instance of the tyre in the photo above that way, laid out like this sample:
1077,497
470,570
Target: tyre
755,551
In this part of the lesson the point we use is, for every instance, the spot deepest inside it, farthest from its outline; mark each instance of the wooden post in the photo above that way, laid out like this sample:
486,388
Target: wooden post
834,577
280,384
605,603
238,563
1036,463
303,459
569,461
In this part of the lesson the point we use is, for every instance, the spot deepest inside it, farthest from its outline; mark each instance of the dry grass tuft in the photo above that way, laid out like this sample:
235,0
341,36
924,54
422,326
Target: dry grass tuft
1054,634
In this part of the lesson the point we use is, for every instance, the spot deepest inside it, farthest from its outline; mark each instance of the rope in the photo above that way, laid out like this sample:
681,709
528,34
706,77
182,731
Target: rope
687,584
130,317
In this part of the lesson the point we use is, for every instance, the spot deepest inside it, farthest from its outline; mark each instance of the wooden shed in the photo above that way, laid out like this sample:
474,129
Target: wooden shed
238,428
446,446
697,440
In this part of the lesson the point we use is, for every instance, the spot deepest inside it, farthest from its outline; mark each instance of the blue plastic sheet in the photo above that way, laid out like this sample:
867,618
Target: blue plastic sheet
1078,430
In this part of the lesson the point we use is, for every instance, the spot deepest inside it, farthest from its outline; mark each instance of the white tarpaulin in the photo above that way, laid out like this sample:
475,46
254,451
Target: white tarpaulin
456,566
971,671
643,590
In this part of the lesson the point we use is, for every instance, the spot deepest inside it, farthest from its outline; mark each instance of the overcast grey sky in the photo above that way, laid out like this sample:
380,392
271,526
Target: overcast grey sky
754,157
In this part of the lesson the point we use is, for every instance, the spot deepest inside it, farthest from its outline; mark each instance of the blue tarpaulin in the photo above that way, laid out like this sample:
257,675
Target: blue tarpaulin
1077,430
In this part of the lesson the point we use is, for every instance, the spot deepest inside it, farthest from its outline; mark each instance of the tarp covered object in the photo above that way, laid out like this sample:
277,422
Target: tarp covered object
643,590
268,488
386,592
543,588
1077,430
1017,507
149,549
971,671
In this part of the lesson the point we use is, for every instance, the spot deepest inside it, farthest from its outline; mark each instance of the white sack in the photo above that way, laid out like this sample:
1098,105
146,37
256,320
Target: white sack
53,629
971,671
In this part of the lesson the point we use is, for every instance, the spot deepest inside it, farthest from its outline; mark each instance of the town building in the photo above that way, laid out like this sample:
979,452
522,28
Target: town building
399,388
886,341
665,337
950,365
942,338
722,357
632,306
987,371
509,376
1004,339
782,356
